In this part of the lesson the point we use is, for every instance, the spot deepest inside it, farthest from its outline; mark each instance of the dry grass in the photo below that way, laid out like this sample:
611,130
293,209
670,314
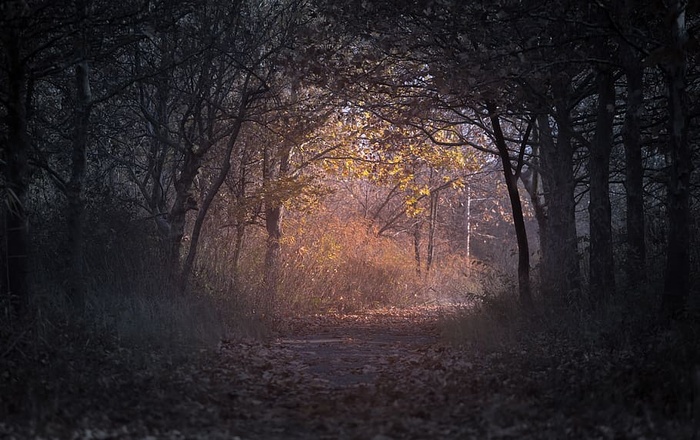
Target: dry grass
331,264
620,356
135,321
497,321
131,304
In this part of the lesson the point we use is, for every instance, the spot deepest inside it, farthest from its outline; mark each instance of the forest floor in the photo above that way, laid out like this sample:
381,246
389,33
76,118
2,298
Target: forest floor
379,375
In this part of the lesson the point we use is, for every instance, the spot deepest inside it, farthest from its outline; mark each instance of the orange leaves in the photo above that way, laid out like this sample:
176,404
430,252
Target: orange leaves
376,150
339,263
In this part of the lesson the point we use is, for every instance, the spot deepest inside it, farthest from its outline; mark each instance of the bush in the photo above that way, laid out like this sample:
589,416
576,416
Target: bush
342,265
134,318
619,354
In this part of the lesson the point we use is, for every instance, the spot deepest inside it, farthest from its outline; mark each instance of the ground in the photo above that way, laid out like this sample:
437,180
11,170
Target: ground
378,375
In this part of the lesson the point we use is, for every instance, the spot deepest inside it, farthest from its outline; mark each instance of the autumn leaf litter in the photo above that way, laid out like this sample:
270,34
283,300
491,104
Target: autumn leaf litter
379,375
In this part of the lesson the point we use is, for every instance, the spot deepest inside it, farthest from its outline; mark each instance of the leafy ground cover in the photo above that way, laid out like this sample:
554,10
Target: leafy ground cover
386,374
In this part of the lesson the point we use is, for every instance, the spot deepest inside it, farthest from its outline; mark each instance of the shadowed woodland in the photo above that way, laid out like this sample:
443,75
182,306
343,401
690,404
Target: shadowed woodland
383,219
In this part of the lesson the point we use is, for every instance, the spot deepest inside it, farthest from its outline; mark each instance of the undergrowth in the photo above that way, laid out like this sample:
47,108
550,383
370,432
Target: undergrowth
621,356
328,264
134,324
344,266
335,263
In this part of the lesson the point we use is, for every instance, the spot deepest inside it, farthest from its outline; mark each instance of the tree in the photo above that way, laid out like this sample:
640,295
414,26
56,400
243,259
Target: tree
677,278
602,263
289,126
16,98
406,173
33,48
630,60
82,62
419,70
602,272
511,177
91,20
204,73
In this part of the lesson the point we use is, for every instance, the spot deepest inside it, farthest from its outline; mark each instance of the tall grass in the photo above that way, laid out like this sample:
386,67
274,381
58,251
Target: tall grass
135,322
131,299
333,264
620,353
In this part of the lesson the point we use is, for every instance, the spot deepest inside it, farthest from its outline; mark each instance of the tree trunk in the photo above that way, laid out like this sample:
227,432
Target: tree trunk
602,272
561,274
184,202
157,114
517,210
416,245
15,167
74,189
430,254
677,277
211,194
531,182
158,150
237,249
273,225
634,171
239,191
273,170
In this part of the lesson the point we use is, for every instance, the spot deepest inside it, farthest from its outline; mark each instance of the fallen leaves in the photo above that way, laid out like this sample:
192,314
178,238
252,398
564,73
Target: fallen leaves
383,375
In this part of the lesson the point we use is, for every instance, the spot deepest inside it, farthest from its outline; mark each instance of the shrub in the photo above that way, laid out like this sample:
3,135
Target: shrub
334,264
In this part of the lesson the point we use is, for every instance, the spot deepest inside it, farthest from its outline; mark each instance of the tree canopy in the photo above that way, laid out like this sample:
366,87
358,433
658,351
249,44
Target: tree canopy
172,113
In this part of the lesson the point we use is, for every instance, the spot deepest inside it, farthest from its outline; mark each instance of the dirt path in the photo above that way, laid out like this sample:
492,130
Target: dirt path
387,375
359,376
375,376
384,375
343,383
349,350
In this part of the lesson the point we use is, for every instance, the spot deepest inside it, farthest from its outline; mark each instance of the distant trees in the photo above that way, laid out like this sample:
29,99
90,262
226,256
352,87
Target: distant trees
48,51
178,110
680,156
16,101
580,71
178,82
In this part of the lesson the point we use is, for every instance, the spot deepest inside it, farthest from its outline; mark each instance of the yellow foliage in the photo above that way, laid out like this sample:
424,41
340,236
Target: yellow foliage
337,263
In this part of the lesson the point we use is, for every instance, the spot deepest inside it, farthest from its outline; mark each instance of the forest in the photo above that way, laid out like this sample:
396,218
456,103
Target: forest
484,214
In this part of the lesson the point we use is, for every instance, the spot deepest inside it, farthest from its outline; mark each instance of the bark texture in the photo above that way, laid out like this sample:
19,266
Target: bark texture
74,189
634,171
561,274
677,277
602,271
511,179
15,167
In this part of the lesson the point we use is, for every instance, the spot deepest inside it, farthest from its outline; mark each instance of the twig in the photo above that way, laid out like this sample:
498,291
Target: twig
14,343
